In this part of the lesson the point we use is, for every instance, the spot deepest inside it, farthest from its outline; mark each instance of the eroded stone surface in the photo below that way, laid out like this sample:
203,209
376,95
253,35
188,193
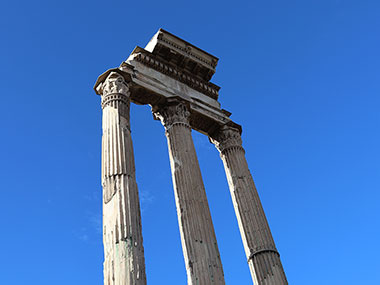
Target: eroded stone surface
122,235
200,248
263,258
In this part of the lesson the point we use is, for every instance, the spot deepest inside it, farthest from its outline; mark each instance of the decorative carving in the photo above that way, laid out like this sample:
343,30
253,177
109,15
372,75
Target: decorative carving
114,83
205,87
174,114
226,138
115,93
114,97
187,49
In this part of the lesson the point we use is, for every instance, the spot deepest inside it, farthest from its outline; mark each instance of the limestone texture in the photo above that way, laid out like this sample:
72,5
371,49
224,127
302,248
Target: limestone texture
122,236
262,255
200,249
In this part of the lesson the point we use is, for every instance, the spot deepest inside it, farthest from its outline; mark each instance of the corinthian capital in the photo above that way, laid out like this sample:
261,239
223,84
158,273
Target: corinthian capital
176,112
114,84
227,137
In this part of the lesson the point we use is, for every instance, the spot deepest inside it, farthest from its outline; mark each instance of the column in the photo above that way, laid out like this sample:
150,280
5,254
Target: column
200,249
263,258
122,235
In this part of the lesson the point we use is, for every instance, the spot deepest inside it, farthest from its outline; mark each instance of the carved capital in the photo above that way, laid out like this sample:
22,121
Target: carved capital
226,138
175,113
114,83
114,90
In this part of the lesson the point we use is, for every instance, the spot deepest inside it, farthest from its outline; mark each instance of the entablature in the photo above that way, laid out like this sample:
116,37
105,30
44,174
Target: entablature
154,77
183,54
169,68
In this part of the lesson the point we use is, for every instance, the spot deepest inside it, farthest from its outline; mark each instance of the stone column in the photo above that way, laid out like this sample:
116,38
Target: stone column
200,249
263,258
122,236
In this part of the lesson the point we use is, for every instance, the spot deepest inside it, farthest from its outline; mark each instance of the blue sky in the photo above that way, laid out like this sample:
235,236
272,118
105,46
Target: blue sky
301,77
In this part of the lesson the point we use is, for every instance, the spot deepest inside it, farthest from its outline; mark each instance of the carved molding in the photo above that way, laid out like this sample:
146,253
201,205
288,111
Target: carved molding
173,114
114,97
205,87
187,50
227,138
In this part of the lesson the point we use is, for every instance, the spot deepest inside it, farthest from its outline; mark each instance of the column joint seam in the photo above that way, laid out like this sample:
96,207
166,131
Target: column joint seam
253,254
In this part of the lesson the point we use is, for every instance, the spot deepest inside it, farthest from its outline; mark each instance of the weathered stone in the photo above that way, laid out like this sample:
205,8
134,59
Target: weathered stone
192,59
122,236
200,249
263,258
171,67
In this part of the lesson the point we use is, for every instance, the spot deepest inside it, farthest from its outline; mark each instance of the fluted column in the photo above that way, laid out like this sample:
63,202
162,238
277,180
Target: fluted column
263,258
200,249
122,235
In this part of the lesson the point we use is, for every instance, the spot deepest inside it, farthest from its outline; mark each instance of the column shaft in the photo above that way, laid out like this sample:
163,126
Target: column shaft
200,249
263,258
122,234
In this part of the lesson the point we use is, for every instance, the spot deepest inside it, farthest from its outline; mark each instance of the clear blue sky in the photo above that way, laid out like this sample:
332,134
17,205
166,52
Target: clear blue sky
303,79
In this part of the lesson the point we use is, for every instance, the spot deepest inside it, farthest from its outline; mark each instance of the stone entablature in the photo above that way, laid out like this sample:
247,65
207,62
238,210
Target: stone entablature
172,68
152,87
189,57
180,74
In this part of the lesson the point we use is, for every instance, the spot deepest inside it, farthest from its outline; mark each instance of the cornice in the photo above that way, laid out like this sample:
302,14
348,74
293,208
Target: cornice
167,45
187,49
148,59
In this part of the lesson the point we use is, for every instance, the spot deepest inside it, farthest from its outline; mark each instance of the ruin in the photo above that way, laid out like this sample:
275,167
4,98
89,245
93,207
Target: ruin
173,77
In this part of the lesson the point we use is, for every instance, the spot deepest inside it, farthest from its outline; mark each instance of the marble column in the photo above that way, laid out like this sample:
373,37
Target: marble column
200,249
122,235
263,257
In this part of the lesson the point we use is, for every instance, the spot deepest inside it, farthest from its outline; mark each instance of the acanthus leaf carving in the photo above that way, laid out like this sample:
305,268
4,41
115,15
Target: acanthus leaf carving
169,115
226,138
114,84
